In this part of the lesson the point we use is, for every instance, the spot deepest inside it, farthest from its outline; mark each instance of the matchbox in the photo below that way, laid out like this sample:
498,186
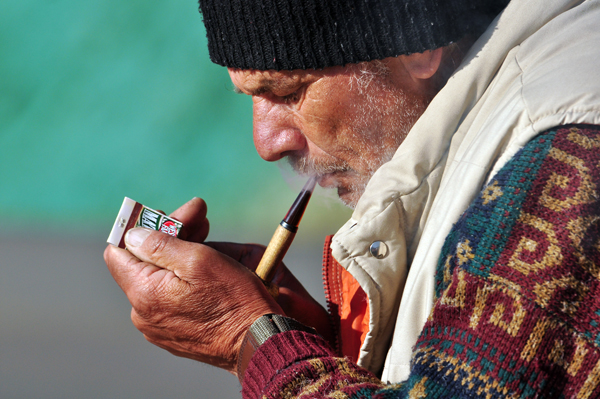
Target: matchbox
133,214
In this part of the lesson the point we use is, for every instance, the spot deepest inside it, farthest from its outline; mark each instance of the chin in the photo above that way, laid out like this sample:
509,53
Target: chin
348,197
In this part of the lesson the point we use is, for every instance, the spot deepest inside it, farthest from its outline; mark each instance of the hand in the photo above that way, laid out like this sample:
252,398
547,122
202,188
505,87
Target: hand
293,298
186,297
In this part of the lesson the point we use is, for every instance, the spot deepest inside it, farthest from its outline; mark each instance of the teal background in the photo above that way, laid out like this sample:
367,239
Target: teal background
101,100
105,99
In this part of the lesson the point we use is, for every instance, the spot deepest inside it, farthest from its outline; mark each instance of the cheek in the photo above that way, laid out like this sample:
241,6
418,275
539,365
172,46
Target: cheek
327,117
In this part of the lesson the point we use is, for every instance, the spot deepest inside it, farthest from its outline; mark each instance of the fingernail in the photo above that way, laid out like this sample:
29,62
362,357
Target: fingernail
136,237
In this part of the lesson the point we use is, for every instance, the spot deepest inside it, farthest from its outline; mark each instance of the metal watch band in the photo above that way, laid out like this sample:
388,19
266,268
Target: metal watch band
260,331
268,325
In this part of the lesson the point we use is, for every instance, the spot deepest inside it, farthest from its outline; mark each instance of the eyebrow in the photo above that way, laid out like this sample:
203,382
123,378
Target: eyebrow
264,85
254,92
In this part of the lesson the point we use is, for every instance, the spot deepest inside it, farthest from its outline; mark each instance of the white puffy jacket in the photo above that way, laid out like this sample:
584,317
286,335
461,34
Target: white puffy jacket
536,67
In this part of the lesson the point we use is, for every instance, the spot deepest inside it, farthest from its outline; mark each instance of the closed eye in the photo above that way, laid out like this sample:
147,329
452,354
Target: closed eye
272,95
291,98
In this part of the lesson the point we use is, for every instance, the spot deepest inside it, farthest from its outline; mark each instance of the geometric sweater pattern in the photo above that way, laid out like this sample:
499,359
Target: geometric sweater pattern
517,308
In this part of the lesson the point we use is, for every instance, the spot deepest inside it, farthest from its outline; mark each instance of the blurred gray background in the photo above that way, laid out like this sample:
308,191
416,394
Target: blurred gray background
101,100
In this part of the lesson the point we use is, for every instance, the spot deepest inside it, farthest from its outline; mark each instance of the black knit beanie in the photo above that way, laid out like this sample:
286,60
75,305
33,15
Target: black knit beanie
314,34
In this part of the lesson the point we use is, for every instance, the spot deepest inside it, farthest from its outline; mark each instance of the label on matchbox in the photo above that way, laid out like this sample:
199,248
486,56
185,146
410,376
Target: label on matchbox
133,214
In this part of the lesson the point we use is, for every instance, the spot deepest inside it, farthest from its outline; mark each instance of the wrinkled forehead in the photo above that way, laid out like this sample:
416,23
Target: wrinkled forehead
257,82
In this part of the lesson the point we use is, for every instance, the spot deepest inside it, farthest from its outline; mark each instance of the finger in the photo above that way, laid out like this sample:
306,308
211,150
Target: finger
193,216
168,252
193,209
121,264
248,255
139,280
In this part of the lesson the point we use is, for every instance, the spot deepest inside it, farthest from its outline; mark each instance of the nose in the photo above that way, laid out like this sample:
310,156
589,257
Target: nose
276,131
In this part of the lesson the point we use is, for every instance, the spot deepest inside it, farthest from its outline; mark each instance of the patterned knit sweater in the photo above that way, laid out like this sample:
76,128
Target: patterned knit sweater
517,313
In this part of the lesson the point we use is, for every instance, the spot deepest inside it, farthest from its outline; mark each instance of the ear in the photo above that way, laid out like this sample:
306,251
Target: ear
423,65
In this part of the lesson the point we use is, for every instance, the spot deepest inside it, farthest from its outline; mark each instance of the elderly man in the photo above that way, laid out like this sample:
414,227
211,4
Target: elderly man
465,136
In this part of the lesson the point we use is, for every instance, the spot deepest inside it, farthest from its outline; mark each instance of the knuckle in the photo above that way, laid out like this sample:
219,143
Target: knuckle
199,204
138,321
143,315
107,253
130,263
157,244
202,206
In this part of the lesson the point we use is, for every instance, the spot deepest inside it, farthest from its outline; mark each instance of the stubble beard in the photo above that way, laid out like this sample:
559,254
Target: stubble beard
378,145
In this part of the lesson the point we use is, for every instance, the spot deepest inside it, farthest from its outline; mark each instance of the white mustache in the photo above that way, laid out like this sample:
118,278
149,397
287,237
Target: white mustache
307,166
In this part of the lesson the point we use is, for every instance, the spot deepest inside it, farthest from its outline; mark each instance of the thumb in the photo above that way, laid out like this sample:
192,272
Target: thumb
162,250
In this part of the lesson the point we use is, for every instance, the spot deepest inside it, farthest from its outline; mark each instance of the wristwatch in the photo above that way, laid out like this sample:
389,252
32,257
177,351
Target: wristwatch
260,331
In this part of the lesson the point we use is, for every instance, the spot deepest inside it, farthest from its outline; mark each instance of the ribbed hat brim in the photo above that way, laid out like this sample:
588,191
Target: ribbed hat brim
314,34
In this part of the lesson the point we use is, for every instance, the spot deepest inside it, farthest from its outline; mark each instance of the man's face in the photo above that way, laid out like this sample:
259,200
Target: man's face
339,124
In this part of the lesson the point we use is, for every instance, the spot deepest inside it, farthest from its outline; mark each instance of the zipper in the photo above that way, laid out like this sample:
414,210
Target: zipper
332,286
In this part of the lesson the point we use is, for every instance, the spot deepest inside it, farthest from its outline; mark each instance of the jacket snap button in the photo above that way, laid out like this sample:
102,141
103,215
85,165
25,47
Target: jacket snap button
378,249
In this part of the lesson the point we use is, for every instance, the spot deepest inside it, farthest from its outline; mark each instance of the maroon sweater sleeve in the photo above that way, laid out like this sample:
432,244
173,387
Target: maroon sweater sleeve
281,352
295,362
